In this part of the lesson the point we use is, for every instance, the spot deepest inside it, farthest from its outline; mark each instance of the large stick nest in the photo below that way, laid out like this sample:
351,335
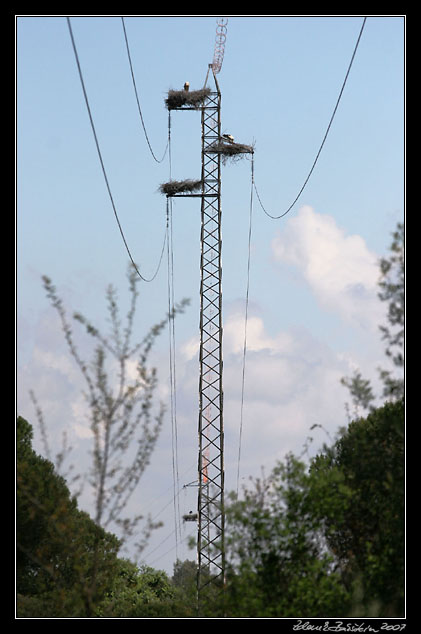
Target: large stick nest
178,187
192,98
230,150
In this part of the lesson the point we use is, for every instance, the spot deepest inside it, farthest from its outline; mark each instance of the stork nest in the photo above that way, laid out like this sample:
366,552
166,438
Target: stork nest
178,187
180,98
230,151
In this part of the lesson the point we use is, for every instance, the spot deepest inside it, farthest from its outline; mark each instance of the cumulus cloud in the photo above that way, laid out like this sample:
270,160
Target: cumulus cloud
339,269
257,339
292,381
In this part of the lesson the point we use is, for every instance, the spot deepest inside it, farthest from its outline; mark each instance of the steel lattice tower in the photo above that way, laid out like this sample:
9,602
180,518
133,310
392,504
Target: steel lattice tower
210,499
210,538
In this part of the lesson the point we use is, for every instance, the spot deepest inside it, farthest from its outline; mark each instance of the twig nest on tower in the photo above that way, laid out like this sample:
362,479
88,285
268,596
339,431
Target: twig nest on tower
229,150
178,187
193,98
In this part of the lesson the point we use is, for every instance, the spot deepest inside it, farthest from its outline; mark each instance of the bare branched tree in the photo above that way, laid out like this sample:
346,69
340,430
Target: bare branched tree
123,418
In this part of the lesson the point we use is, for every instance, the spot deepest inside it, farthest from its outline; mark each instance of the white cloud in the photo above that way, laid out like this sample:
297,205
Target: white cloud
292,381
191,348
257,339
340,269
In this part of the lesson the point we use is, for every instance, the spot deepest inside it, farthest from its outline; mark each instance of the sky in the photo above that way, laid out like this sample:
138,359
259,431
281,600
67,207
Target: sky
313,314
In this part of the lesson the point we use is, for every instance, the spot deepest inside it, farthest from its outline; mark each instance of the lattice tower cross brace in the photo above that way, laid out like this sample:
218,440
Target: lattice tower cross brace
211,515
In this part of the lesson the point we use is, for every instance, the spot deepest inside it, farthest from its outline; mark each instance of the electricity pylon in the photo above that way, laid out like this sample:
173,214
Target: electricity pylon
210,507
210,499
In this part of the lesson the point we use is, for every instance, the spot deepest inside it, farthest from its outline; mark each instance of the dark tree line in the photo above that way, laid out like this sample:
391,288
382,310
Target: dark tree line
319,540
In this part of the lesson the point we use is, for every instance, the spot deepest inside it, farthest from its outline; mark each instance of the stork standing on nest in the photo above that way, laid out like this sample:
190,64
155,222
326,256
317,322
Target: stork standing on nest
228,137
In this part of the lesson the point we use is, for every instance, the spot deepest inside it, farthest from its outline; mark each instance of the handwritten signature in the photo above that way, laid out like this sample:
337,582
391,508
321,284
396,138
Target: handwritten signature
340,626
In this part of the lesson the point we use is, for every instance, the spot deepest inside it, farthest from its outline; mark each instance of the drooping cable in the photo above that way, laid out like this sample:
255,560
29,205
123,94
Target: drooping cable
137,97
171,549
172,370
324,138
245,322
174,373
172,348
145,279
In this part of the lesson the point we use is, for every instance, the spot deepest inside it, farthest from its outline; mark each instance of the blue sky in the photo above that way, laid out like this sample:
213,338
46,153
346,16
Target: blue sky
313,310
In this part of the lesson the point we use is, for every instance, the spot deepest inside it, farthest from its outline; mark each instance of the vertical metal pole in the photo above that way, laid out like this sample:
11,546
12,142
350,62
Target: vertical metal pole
211,514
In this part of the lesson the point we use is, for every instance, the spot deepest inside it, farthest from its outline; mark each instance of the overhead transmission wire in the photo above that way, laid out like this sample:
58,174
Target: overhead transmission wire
157,514
172,351
172,369
245,322
184,539
253,186
168,241
324,138
171,300
137,97
142,277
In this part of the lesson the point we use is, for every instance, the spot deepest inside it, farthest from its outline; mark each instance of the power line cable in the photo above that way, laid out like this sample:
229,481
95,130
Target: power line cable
184,539
174,363
172,348
245,321
171,501
172,369
151,503
137,97
103,167
324,138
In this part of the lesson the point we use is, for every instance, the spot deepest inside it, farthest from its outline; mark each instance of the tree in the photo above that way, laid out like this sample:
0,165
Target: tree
368,538
68,566
65,562
361,394
185,575
142,592
324,539
279,563
392,291
392,285
122,419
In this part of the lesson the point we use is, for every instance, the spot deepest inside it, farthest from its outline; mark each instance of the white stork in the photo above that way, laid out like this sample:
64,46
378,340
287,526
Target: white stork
186,86
228,137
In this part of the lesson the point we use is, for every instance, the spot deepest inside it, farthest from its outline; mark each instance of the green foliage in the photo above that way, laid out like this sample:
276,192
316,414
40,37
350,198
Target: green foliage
146,593
65,562
67,565
368,538
392,290
324,541
361,394
279,565
135,592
